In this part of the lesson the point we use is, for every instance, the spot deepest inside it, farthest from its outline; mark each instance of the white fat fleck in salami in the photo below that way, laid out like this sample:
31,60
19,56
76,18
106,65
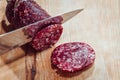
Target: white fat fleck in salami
74,56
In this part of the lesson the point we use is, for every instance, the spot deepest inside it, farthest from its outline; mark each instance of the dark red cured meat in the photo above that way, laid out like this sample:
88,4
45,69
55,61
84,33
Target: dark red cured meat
17,15
47,37
27,12
10,11
74,56
24,12
34,28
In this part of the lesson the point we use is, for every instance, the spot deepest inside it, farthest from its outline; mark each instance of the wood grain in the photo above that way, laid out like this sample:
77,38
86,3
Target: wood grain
98,25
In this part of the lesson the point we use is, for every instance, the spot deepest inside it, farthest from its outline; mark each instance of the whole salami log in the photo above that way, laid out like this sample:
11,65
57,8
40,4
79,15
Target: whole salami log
74,56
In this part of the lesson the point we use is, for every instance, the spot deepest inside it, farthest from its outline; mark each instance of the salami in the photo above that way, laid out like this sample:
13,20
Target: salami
47,37
74,56
34,28
25,12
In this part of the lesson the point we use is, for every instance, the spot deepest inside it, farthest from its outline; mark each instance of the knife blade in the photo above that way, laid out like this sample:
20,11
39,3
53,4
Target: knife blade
16,38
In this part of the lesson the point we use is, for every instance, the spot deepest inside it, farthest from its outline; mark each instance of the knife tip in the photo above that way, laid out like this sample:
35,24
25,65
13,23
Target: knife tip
79,10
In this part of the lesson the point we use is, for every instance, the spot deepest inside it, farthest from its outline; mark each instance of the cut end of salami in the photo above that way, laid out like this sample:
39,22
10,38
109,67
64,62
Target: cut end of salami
47,37
72,57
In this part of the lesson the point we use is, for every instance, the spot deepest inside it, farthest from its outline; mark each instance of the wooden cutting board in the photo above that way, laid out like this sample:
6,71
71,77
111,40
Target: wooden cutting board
98,25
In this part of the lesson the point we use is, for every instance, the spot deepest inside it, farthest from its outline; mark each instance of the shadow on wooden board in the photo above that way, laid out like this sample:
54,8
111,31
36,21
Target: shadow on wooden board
16,54
7,28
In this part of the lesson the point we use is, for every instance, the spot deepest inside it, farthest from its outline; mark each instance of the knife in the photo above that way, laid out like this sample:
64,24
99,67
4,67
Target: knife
16,38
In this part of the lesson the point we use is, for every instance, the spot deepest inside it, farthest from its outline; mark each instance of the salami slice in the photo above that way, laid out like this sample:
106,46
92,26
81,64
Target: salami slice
34,28
27,12
74,56
47,37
